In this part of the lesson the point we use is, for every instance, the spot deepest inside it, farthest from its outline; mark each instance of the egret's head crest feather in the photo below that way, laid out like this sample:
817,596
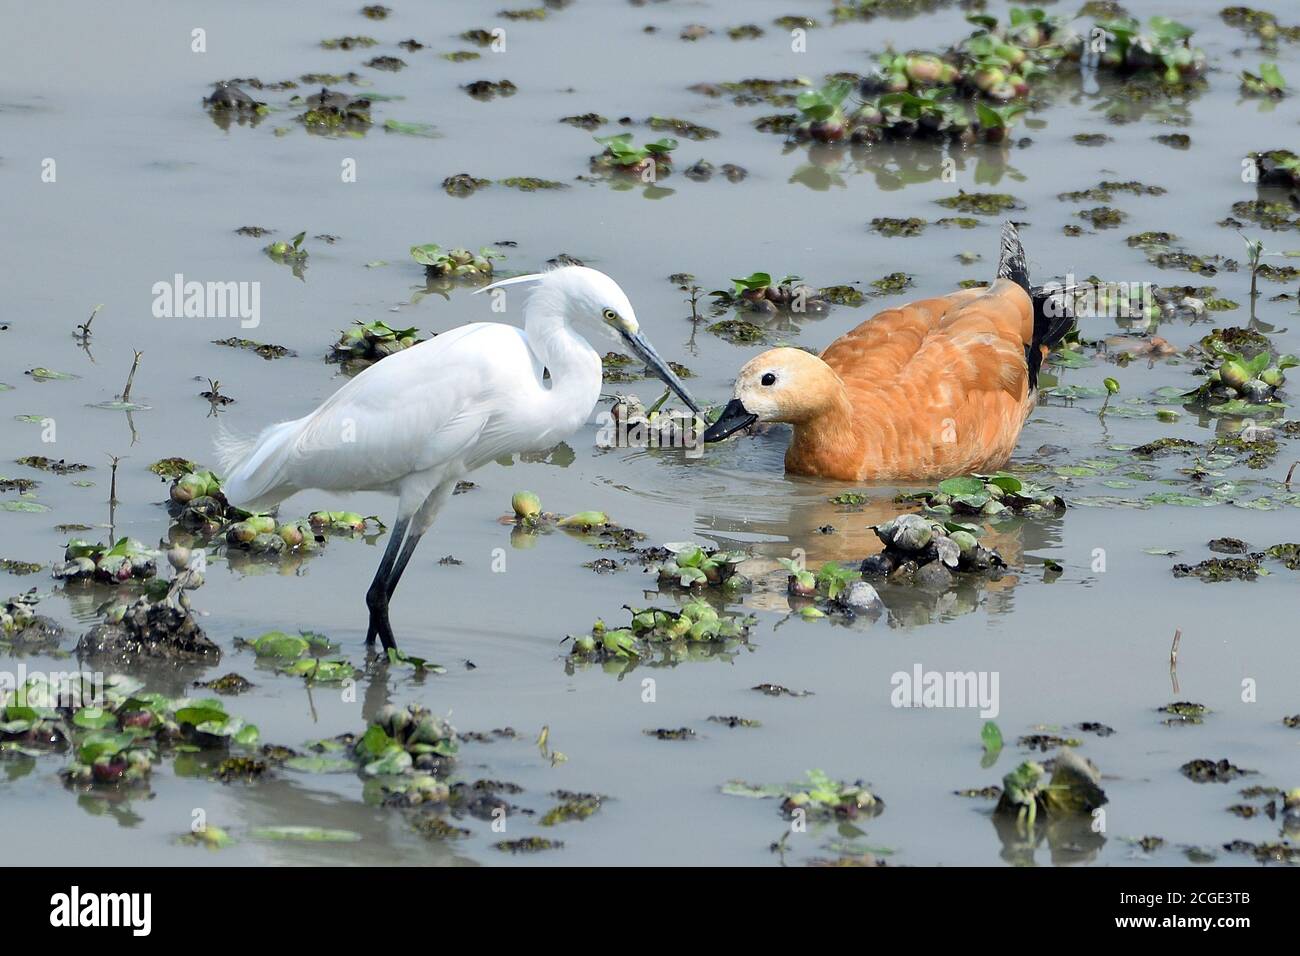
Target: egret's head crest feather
513,280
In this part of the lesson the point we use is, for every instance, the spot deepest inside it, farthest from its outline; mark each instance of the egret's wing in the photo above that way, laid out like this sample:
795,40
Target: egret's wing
424,407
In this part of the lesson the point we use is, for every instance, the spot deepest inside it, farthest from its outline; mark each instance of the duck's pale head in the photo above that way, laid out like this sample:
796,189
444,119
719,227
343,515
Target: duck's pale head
781,385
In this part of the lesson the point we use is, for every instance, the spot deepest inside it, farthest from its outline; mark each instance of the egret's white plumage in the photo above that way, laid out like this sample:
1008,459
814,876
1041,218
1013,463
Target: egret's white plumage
415,423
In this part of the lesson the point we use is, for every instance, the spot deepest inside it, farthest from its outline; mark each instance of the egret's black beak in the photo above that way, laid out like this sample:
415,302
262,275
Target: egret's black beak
733,418
646,353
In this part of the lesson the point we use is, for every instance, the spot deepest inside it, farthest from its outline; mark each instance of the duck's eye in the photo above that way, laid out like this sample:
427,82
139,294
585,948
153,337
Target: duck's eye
768,379
610,315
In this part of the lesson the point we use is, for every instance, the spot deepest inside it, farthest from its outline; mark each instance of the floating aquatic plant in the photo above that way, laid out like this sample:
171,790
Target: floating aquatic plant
758,292
367,342
623,156
125,560
818,797
1268,82
696,567
674,633
456,263
1073,789
988,495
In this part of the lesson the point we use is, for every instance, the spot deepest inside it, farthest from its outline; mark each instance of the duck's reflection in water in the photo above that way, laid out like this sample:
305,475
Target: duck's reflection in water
807,524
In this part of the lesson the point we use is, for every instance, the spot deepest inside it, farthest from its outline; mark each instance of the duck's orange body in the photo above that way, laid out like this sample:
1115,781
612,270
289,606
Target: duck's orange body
935,388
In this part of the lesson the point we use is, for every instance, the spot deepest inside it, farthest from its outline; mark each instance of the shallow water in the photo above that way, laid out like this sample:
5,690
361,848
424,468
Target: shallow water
148,186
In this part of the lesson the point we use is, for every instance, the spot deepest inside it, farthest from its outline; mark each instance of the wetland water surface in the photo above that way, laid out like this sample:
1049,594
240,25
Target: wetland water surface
148,185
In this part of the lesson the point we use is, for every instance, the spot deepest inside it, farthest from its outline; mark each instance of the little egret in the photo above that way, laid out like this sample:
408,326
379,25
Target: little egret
418,421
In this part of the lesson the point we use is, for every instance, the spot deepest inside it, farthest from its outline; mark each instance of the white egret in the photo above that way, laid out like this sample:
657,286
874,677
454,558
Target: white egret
418,421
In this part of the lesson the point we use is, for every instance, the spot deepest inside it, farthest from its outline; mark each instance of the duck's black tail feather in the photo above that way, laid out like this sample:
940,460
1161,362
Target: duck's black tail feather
1011,257
1053,314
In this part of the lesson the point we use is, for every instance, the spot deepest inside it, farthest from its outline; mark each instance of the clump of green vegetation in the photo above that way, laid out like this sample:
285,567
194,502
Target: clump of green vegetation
20,625
1268,82
983,204
1278,167
530,184
1103,217
696,623
1164,48
821,112
463,184
695,567
489,89
460,264
894,228
1246,568
59,467
123,561
332,111
681,127
347,523
572,806
842,295
228,100
1261,23
367,342
737,331
587,121
818,797
1212,771
622,156
758,292
288,253
1074,789
267,350
262,534
390,64
989,495
913,543
348,43
404,740
892,284
1184,712
1238,385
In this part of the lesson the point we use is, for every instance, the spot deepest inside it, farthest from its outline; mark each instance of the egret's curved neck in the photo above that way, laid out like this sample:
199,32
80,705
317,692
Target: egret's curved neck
574,366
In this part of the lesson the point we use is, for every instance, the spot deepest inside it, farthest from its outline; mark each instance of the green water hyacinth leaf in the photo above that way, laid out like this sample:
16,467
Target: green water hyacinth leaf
103,744
395,761
399,658
688,576
965,486
280,645
1185,501
321,670
991,736
320,764
49,375
94,718
200,714
301,834
375,742
32,507
426,130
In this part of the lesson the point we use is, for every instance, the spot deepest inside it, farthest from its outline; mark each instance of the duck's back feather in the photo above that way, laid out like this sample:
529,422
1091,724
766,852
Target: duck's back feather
938,387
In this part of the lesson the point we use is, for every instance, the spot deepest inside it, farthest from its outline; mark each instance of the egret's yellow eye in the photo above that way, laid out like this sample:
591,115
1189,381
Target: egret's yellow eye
610,315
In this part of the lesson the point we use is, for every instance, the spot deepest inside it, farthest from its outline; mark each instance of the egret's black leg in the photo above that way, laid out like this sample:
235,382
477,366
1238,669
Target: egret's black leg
378,594
403,559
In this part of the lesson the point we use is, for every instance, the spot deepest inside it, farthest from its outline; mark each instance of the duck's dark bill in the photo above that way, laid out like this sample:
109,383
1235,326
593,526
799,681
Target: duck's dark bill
734,417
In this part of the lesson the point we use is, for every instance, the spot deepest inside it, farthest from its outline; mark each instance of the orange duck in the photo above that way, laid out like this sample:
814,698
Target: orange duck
933,389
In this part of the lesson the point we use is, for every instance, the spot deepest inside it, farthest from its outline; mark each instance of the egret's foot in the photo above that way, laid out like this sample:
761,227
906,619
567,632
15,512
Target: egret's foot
377,601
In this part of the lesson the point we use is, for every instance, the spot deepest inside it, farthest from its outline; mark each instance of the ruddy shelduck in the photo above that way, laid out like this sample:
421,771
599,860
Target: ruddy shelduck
932,389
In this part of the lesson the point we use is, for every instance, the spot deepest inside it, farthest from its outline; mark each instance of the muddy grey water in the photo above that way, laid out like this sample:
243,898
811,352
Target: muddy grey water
148,186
